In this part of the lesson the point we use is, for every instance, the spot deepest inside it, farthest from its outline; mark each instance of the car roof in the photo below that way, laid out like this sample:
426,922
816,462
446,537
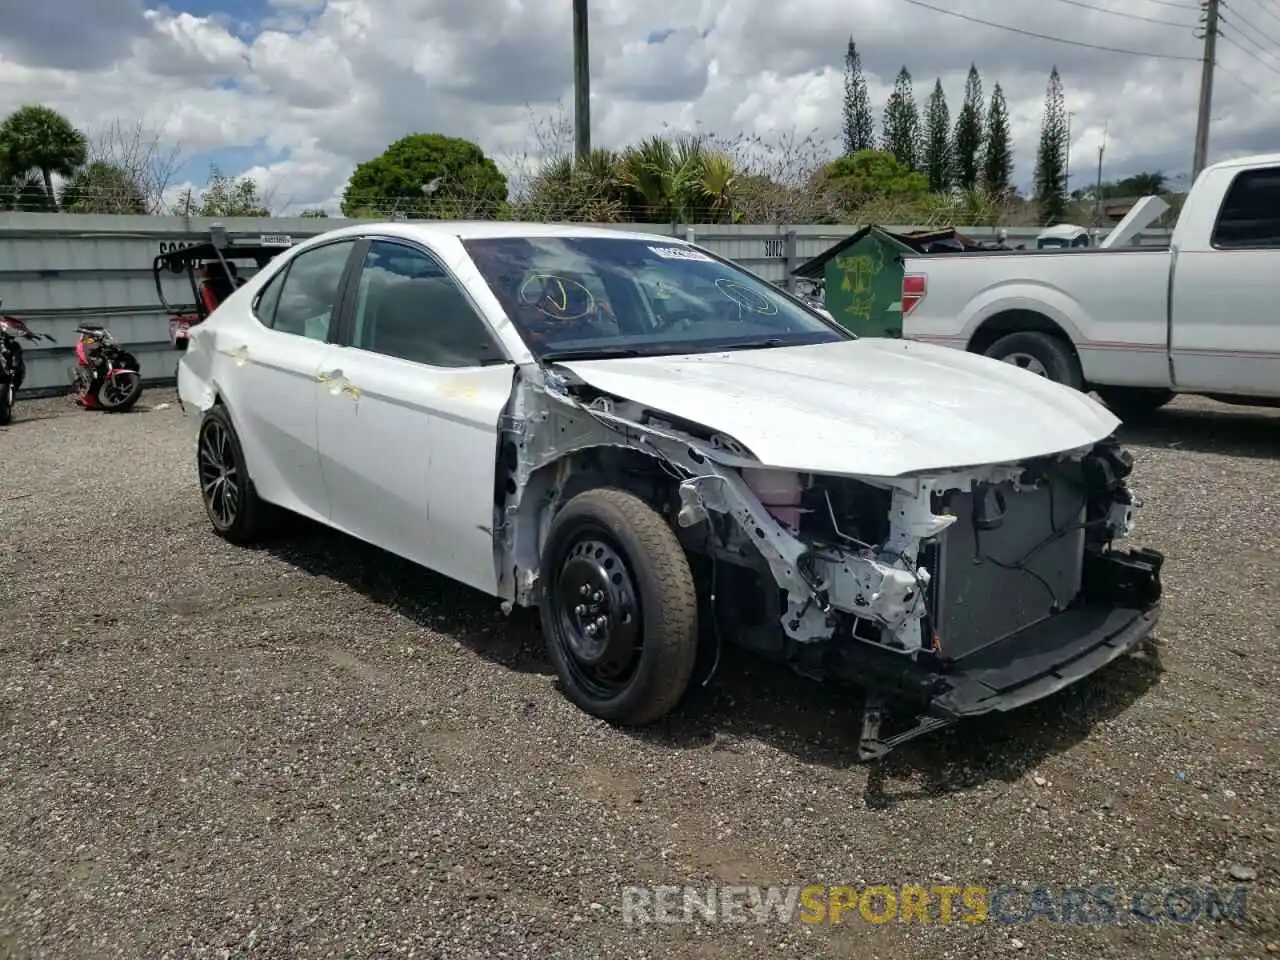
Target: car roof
435,230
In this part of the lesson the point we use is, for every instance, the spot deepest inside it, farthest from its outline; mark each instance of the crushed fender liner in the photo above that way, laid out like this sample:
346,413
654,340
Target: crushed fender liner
961,592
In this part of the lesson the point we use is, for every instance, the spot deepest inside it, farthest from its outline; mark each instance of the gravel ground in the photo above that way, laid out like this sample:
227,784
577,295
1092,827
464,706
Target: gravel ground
314,749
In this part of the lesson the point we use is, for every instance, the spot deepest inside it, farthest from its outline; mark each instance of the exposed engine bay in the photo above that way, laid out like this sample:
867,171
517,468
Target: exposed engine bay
893,582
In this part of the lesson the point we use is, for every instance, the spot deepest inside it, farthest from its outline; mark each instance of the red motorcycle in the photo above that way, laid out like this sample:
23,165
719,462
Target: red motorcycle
13,367
106,376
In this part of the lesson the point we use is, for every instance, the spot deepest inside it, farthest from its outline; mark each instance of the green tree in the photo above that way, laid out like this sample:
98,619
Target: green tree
937,145
859,126
24,193
102,187
901,127
871,175
314,212
225,197
1051,156
997,148
967,145
680,181
38,138
424,173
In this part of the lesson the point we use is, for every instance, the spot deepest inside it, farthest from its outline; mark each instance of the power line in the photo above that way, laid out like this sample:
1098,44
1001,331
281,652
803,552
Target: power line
1179,4
1128,16
1246,84
1267,11
1045,36
1262,51
1252,26
1270,66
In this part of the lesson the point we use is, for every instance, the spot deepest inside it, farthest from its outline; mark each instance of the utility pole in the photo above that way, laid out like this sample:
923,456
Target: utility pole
581,81
1097,190
1206,86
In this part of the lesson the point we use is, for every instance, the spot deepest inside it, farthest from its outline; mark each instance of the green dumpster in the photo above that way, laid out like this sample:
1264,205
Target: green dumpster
862,277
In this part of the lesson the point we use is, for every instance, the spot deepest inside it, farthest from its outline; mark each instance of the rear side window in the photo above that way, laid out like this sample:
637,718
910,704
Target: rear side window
1250,215
308,291
265,310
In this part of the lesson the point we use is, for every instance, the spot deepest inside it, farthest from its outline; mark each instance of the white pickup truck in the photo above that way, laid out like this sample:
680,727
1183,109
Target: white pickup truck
1140,324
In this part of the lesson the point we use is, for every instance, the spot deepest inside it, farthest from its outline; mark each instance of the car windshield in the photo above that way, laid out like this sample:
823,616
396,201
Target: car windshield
601,296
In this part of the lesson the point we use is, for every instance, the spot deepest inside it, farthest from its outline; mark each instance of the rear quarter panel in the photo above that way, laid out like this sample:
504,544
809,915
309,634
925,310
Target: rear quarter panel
1112,305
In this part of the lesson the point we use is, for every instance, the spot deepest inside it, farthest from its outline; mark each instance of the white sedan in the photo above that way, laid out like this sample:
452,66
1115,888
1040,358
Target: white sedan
664,452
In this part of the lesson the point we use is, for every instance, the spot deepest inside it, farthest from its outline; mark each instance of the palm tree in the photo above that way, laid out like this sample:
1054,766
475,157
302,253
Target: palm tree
38,138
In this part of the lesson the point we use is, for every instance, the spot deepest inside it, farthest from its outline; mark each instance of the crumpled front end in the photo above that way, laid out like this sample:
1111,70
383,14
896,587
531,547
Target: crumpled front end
955,592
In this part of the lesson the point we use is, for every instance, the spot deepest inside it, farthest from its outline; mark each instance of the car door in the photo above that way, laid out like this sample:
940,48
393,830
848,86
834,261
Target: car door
409,425
1224,336
277,359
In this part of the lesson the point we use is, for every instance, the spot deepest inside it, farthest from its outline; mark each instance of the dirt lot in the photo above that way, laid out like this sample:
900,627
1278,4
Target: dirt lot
313,749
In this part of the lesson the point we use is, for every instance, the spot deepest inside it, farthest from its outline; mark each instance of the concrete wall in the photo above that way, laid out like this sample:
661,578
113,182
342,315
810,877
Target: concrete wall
57,270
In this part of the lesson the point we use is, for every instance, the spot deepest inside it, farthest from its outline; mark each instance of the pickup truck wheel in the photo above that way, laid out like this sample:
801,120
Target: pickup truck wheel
1040,353
1133,403
619,608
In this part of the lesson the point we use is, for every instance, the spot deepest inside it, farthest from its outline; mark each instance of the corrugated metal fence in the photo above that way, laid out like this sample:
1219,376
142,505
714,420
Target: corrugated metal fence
57,270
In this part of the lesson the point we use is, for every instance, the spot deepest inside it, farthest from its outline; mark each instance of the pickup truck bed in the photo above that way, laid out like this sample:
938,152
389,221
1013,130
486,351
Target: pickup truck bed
1137,324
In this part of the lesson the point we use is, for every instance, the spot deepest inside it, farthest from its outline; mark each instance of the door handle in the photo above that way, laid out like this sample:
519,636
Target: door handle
328,376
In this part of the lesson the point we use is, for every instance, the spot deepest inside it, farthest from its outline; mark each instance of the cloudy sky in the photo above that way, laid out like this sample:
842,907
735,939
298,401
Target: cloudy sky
296,92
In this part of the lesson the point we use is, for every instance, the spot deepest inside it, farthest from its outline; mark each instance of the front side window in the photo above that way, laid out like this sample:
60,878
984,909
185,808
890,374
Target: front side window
1250,215
408,307
308,294
585,296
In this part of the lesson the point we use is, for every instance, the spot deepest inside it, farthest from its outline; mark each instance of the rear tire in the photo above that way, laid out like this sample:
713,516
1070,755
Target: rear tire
1042,353
7,393
619,608
1134,403
235,510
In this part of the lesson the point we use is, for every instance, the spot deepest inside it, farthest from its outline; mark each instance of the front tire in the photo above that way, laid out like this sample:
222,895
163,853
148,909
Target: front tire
235,510
619,608
1040,353
120,392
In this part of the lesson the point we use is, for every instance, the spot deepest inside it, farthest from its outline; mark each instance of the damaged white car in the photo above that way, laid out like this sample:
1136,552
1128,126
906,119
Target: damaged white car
664,452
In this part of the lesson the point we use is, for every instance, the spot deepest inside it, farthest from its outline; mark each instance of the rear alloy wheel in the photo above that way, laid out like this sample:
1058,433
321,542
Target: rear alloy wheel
619,609
1042,354
237,513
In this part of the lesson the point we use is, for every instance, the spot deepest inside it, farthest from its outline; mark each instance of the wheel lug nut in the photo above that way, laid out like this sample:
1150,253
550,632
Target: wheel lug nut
602,622
585,590
580,609
591,630
597,596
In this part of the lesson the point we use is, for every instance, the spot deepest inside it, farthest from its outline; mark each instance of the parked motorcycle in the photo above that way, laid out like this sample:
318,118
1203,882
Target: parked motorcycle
106,376
13,367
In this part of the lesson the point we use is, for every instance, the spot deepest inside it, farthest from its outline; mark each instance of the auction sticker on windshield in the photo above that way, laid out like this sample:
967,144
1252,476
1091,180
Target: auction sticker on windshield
680,253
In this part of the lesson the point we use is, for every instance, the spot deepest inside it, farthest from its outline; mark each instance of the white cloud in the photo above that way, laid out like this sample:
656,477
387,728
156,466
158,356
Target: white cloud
328,83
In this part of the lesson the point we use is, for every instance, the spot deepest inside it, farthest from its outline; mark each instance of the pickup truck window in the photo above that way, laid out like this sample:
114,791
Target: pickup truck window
1250,214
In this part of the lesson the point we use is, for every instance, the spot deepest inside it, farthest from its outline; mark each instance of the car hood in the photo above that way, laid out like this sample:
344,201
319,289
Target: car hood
868,407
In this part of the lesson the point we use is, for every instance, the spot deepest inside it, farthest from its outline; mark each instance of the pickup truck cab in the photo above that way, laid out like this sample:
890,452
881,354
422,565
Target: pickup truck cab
1138,324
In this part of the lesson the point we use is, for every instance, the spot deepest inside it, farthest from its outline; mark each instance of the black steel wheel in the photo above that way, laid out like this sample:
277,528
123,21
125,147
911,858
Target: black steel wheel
619,607
235,510
1043,354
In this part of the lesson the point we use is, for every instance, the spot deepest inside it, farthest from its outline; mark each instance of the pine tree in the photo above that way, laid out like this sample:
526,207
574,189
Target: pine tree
967,145
902,123
997,150
859,127
1051,157
937,144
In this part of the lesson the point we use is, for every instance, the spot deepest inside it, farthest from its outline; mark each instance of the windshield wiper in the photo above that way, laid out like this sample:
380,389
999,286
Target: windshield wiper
759,344
592,353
